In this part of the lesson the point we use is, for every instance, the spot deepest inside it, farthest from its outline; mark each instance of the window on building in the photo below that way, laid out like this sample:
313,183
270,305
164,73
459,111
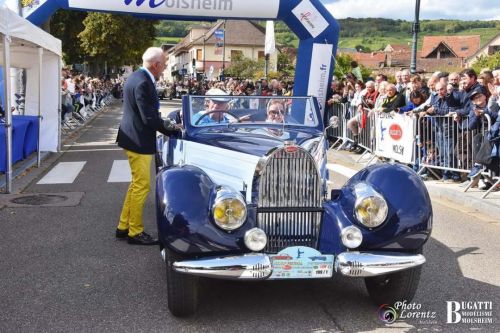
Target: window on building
236,53
261,55
199,54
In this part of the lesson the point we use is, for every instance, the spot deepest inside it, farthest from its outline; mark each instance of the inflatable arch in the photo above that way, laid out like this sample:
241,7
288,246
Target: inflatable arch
316,28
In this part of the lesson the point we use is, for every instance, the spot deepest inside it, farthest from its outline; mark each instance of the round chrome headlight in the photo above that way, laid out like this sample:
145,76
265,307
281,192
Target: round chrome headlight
370,207
351,237
229,209
255,239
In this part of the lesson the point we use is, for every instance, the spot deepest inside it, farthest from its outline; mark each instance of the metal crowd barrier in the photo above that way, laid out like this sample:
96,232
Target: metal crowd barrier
440,142
336,132
445,144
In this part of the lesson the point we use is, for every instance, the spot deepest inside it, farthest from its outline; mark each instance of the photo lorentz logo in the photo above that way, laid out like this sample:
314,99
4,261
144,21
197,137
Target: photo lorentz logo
469,312
403,311
387,314
396,132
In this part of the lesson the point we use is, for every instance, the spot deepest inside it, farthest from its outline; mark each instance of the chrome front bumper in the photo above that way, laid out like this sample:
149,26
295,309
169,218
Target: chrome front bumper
258,266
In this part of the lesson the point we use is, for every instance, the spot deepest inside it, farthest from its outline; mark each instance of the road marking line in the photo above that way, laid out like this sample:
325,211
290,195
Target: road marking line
120,172
344,171
63,173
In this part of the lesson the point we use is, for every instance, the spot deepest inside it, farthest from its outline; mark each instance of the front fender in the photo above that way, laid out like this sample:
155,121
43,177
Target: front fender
184,196
409,220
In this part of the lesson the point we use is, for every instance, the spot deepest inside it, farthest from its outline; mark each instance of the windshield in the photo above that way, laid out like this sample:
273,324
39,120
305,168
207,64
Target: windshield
223,110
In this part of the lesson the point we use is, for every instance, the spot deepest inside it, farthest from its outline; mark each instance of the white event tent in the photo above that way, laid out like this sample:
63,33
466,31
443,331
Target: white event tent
24,45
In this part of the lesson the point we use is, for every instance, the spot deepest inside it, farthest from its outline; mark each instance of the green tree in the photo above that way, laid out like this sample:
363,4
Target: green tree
242,67
342,65
491,62
66,25
285,65
117,39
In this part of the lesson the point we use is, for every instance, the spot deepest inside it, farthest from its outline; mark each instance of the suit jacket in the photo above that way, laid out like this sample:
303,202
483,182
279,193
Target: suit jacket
141,119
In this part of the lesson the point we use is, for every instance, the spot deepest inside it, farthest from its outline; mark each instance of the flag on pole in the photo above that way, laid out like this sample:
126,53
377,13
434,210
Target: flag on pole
219,41
270,45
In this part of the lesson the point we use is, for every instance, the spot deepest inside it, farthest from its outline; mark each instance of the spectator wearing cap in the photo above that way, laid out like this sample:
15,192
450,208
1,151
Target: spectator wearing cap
494,137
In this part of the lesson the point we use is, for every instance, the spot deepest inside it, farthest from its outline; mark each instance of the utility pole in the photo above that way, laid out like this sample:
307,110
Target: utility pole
415,30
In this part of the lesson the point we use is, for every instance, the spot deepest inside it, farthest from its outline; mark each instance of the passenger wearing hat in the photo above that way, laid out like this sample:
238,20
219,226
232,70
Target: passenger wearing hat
218,105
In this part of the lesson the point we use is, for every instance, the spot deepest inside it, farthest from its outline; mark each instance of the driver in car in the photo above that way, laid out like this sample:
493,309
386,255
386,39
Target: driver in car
275,111
218,105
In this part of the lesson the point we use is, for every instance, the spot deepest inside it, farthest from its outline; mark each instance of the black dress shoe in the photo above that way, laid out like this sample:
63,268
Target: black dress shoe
121,234
142,239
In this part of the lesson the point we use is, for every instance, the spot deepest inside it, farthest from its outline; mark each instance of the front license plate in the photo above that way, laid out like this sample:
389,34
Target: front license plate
300,262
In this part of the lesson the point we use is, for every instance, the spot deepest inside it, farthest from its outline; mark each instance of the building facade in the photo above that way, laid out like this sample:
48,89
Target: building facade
207,51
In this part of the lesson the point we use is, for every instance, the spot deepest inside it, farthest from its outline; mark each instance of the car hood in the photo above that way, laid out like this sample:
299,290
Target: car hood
252,140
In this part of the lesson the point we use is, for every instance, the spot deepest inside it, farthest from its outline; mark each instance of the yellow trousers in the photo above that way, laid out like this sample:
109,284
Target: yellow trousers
131,215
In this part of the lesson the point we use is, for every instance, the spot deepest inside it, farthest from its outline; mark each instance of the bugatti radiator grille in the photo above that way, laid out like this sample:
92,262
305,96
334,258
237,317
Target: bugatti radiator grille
289,200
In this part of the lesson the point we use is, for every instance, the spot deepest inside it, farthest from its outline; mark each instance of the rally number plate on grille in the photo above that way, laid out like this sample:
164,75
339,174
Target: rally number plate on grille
300,262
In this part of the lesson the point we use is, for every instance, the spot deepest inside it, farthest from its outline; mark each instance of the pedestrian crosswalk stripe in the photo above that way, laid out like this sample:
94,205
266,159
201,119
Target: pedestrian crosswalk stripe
63,173
120,172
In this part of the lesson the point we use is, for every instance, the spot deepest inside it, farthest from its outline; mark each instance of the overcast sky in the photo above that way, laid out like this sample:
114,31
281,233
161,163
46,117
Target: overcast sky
405,9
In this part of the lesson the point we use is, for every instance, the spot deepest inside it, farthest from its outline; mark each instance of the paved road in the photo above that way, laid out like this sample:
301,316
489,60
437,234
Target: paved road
63,271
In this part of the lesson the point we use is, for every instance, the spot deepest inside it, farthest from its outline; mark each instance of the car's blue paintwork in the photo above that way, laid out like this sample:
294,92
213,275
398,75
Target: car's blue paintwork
185,195
185,223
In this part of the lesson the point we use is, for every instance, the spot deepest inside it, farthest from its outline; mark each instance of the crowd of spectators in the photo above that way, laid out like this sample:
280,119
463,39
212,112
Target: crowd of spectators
453,105
82,96
234,87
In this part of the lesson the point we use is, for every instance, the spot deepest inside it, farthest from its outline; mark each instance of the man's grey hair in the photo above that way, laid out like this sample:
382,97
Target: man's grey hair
390,86
152,55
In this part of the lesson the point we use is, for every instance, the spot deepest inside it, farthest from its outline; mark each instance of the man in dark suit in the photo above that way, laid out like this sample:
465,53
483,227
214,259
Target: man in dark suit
137,136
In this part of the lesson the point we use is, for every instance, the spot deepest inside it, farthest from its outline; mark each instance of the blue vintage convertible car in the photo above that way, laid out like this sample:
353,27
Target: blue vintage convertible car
242,194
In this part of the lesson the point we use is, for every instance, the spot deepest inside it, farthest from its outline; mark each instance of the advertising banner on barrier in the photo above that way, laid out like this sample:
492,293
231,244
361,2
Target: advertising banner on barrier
394,137
216,8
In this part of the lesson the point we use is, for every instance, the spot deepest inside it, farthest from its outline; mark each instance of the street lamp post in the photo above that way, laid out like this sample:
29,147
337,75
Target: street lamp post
224,52
415,30
204,41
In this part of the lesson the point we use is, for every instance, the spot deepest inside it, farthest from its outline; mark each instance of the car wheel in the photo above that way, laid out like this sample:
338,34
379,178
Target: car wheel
394,287
182,289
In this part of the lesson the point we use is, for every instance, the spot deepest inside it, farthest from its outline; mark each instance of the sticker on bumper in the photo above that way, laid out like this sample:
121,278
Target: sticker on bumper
300,262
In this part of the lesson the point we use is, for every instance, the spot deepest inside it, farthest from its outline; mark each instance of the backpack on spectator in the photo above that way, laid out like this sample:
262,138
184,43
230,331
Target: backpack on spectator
483,156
